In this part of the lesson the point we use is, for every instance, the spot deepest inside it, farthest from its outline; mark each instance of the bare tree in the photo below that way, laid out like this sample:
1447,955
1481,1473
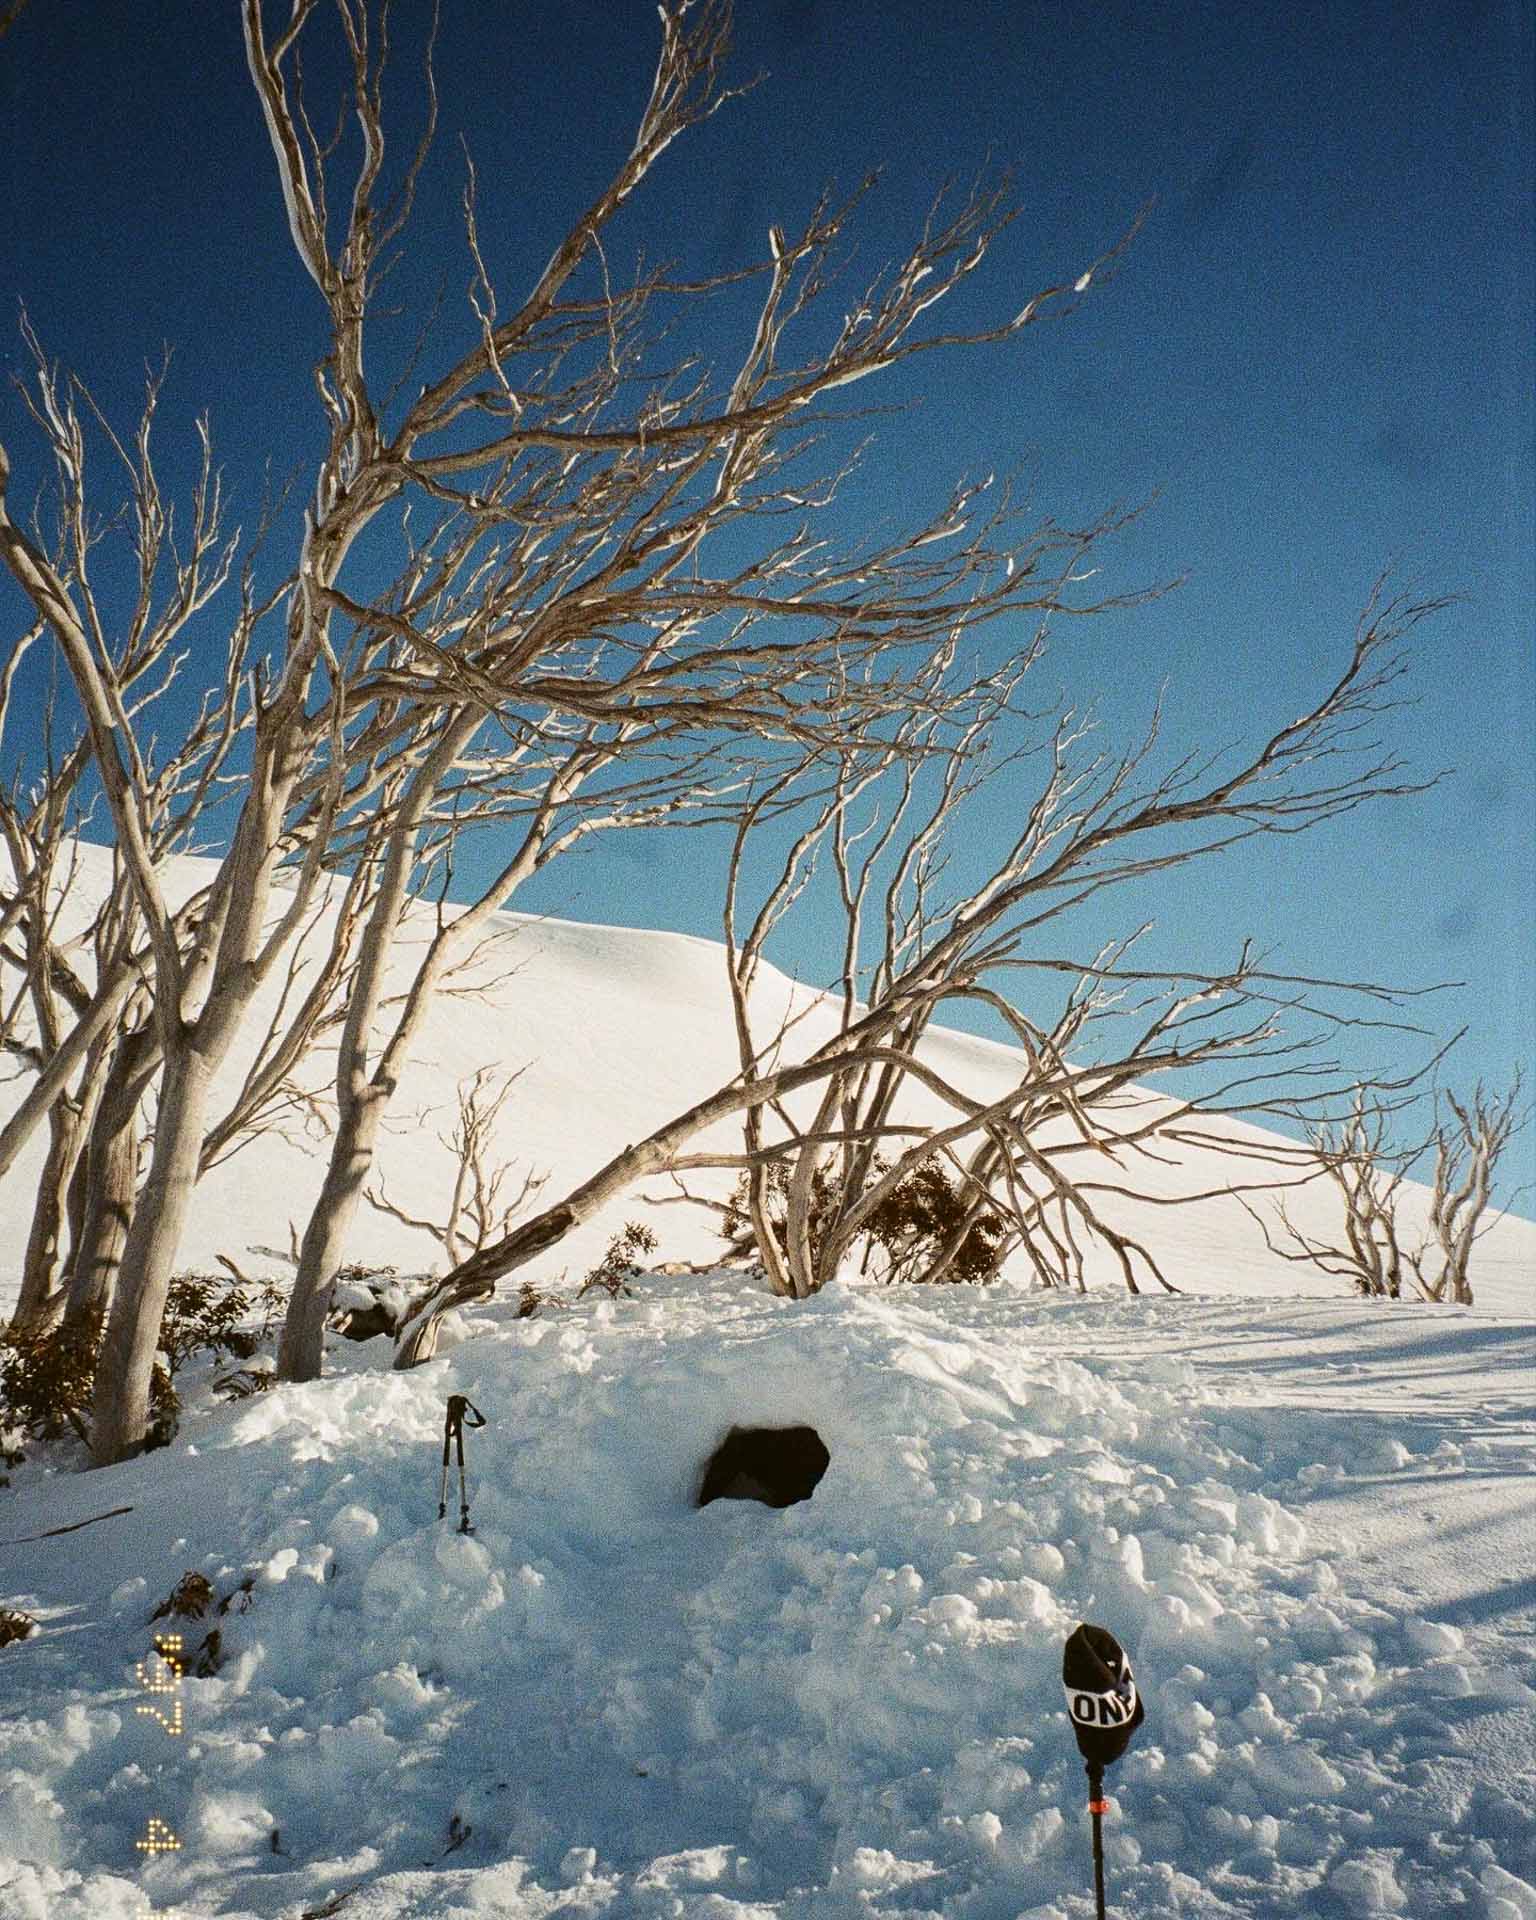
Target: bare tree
1390,1244
614,598
483,1201
890,832
1470,1136
576,598
544,792
580,484
108,1118
1086,827
81,989
204,985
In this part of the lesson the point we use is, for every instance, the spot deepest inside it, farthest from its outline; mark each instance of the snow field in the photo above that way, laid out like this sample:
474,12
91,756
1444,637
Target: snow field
614,1030
849,1707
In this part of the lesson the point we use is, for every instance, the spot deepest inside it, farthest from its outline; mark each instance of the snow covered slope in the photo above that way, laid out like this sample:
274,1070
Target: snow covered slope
1312,1521
613,1031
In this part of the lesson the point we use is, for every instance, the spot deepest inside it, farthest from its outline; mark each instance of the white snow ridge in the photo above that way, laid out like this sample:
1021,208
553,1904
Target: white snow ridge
1309,1520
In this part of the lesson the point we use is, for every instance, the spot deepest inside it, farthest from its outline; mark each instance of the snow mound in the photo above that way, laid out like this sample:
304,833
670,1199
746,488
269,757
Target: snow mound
608,1702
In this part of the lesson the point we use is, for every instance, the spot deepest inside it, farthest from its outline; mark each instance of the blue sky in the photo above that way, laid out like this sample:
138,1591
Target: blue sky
1315,363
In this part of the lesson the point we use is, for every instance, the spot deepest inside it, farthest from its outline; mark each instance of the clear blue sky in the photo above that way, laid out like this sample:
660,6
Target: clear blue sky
1318,356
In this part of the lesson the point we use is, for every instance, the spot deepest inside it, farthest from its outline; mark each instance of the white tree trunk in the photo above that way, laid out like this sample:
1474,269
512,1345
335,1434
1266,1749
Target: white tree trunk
44,1260
300,1349
112,1178
106,1006
120,1412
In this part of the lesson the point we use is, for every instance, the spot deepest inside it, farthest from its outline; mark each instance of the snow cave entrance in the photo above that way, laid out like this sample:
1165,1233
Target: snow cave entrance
776,1465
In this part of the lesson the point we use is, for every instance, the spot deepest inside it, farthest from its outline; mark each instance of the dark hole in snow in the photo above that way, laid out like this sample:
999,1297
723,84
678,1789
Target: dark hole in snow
777,1465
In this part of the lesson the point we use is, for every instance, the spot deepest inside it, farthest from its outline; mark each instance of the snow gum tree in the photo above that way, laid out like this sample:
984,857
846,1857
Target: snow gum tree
1384,1247
1086,824
559,574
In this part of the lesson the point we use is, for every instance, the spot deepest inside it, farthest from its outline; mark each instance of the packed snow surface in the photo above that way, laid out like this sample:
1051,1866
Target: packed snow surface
1310,1523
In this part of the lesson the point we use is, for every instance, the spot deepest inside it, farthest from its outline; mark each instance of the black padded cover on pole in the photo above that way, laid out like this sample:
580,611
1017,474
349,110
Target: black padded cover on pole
1101,1694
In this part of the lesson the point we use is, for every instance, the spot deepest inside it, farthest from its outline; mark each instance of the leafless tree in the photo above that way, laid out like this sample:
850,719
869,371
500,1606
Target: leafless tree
483,1201
544,790
201,984
890,833
1470,1137
610,565
1086,825
81,990
1395,1241
110,1121
576,597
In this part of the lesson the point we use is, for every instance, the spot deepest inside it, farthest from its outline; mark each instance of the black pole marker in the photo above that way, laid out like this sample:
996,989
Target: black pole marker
1105,1710
453,1429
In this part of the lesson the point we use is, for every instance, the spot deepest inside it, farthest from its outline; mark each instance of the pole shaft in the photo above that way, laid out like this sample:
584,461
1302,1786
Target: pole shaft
1098,1862
1096,1808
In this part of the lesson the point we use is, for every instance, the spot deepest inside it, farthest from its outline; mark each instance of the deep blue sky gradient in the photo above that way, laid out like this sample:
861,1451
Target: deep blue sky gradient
1315,363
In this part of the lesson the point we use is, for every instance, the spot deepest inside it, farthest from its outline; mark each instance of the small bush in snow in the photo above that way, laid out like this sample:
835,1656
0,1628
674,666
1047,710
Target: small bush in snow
48,1375
621,1263
14,1626
915,1222
192,1598
189,1599
918,1231
46,1378
244,1382
205,1313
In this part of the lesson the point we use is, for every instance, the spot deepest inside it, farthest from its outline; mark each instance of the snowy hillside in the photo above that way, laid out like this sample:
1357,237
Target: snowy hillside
613,1031
1311,1521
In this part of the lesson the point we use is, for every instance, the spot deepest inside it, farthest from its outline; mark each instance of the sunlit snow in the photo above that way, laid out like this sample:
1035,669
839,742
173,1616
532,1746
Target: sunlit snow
1311,1520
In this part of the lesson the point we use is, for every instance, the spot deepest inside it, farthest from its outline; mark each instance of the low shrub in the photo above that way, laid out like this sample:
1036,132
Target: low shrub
912,1227
14,1626
47,1377
621,1263
189,1599
48,1374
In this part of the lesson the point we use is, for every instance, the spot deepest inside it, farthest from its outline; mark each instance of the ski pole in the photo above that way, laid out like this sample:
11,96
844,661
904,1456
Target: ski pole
453,1429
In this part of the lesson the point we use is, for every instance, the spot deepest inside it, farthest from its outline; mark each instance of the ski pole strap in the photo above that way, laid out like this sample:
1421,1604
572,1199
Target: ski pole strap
459,1409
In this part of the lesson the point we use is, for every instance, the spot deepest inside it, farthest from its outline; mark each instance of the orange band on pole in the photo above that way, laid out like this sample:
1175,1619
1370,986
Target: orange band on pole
1098,1806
